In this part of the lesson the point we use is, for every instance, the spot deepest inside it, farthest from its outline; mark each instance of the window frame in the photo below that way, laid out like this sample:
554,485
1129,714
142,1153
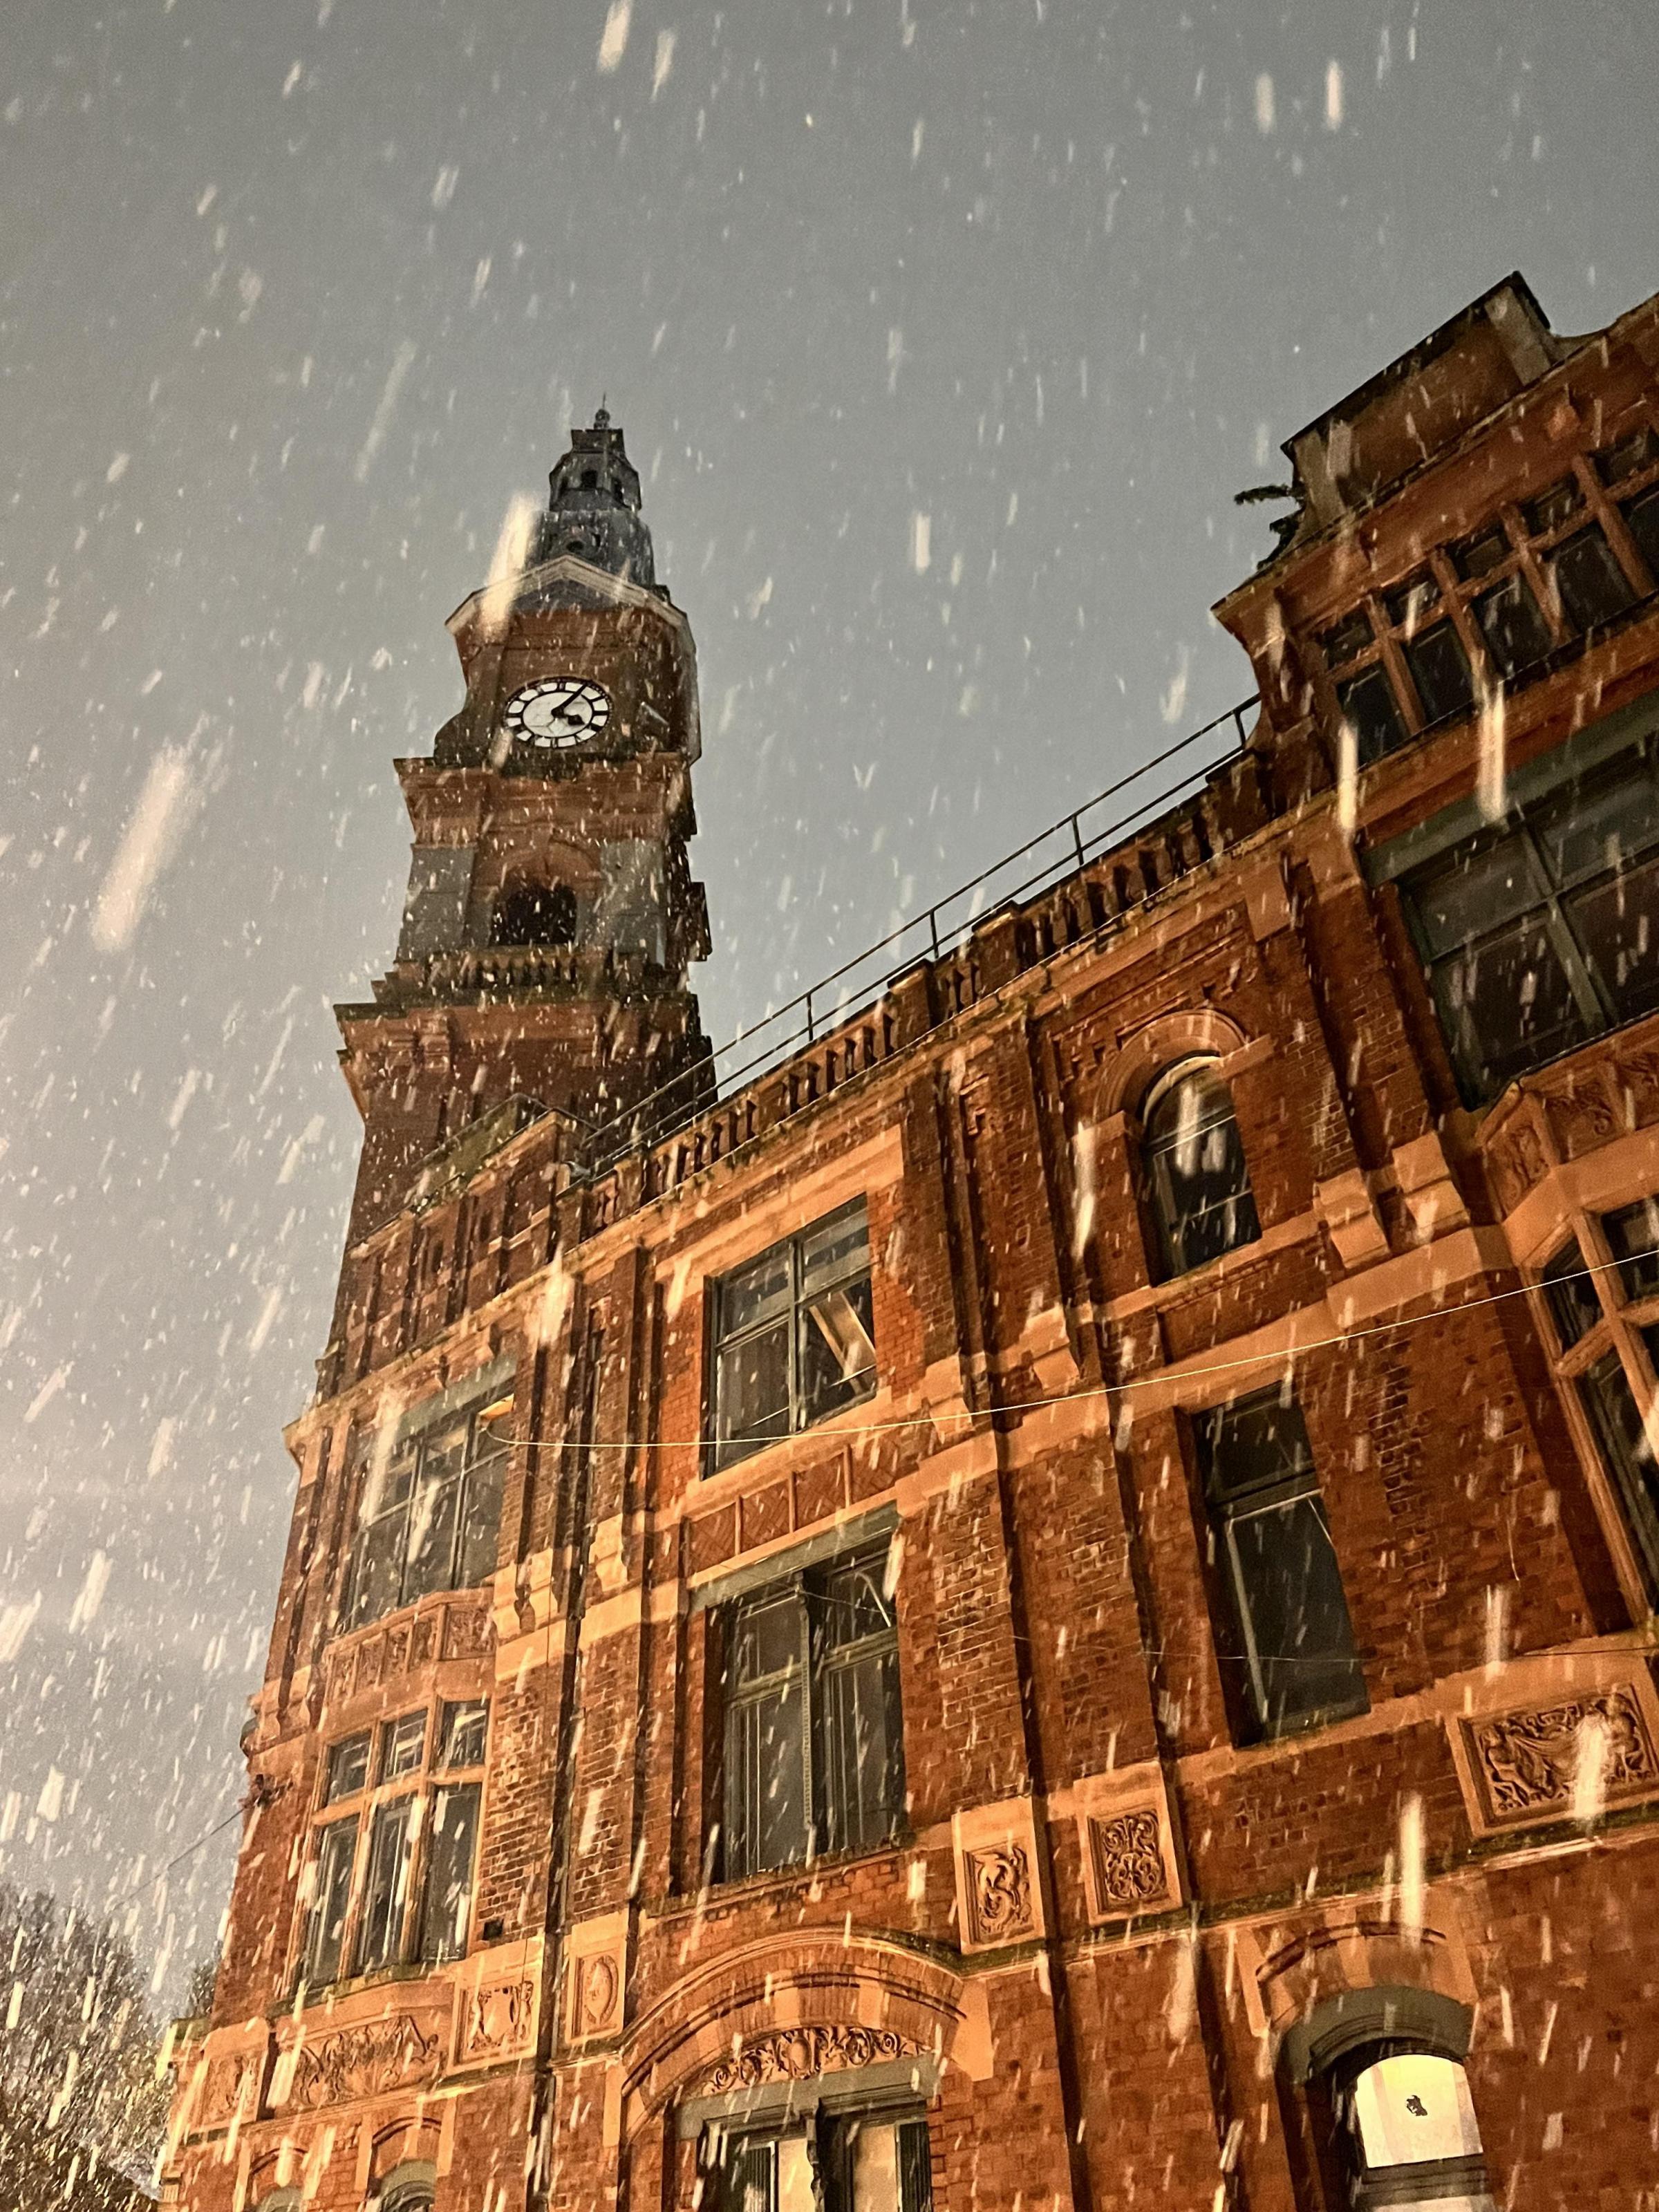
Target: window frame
1166,1223
828,2135
1549,909
1342,654
367,1811
1225,1507
816,1661
1626,1329
725,1451
487,1455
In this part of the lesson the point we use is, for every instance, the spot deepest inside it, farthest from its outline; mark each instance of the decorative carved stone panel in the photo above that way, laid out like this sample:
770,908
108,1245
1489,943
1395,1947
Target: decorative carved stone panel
1129,1862
1526,1763
596,1977
999,1893
801,2054
497,1999
365,2061
499,2019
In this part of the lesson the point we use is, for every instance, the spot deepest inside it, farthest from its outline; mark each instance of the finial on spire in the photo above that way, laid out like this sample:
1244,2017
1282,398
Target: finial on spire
601,415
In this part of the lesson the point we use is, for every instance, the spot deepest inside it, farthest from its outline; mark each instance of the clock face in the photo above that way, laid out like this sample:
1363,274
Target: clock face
557,712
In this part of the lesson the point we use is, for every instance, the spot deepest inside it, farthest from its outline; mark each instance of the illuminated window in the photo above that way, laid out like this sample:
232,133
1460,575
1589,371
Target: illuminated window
872,2162
792,1335
1412,2135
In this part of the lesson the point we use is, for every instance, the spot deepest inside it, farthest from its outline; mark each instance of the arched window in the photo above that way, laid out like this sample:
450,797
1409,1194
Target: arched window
531,913
1411,2134
1198,1183
279,2200
410,2187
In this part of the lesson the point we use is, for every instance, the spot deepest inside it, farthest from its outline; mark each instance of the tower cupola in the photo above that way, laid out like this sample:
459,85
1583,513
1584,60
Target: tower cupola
593,506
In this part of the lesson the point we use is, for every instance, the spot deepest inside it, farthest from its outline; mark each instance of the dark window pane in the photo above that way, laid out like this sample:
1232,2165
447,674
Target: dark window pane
1345,640
1638,449
1409,603
1482,885
1598,823
766,1781
1632,1236
837,1349
403,1741
1505,1007
330,1894
446,1897
1605,1392
348,1769
1570,1290
751,1392
1515,632
1642,519
1593,588
461,1737
377,1575
834,1249
1367,705
768,1637
432,1514
1195,1166
1440,669
1553,506
861,1751
385,1886
852,1603
1253,1443
481,1517
1617,924
1293,1614
1479,555
756,1292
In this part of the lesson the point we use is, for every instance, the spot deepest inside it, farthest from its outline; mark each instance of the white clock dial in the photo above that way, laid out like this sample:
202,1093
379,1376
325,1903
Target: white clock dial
559,712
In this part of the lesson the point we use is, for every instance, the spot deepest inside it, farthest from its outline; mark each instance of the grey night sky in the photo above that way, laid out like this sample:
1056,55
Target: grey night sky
295,298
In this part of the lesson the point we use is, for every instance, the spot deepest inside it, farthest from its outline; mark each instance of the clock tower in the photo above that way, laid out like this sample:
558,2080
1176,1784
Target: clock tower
551,918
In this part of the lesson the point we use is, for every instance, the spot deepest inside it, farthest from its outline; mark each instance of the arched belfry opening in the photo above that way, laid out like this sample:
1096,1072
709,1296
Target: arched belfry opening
531,912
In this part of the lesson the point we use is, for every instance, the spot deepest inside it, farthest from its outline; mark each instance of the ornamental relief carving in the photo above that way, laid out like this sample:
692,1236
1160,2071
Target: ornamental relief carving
599,1986
1526,1762
999,1883
361,2062
1128,1854
499,2019
229,2090
797,2054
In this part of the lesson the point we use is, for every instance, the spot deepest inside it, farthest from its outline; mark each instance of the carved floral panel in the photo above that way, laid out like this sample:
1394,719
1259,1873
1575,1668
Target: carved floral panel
1526,1763
799,2054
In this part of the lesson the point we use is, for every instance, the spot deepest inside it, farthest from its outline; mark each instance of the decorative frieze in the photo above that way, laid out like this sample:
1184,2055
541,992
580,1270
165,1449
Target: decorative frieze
364,2061
800,2054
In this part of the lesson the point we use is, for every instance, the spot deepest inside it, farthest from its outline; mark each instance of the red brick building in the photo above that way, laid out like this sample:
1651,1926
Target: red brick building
1045,1599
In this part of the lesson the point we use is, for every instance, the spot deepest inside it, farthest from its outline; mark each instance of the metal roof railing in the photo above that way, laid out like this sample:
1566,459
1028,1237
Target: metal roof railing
938,931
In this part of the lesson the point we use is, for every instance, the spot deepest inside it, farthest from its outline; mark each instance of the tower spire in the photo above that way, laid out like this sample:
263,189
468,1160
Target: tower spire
593,505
